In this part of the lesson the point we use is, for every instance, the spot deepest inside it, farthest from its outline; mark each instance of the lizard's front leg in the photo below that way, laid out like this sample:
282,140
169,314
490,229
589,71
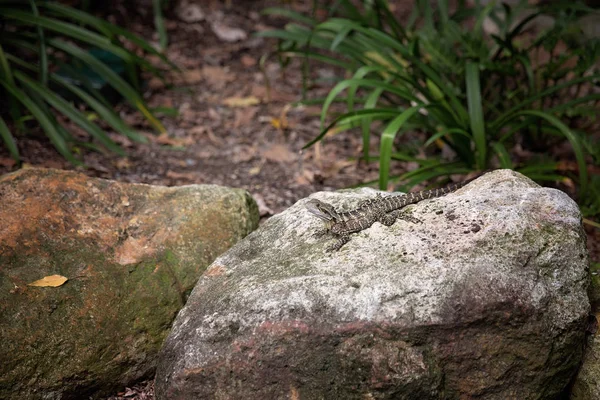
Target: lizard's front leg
320,233
389,218
342,240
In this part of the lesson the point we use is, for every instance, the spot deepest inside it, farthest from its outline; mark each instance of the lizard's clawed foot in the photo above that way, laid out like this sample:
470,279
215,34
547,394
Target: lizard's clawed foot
389,219
410,218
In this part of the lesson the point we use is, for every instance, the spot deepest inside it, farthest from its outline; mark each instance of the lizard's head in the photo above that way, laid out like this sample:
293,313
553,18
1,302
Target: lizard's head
322,210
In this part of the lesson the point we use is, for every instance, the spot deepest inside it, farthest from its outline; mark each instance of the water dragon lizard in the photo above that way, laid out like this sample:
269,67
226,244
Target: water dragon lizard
383,209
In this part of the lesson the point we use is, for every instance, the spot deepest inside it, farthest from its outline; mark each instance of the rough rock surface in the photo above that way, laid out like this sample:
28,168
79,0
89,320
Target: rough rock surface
587,383
131,253
486,298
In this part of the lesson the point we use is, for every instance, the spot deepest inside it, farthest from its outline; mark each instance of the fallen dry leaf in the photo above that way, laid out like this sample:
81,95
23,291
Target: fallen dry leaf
186,176
255,170
241,101
333,168
174,141
281,123
279,153
189,13
155,83
122,164
200,130
49,281
192,76
227,33
244,153
248,61
7,162
244,116
305,178
217,76
263,209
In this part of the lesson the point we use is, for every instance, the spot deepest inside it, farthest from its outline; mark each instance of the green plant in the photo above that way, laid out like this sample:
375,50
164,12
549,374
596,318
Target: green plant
39,37
441,74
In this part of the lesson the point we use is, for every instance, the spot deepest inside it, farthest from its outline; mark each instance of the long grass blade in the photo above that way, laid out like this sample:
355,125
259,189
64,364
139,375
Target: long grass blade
9,141
446,131
476,112
571,137
289,14
67,29
363,83
71,112
104,111
43,54
503,156
355,116
501,120
387,142
159,23
105,27
113,79
47,125
7,75
369,104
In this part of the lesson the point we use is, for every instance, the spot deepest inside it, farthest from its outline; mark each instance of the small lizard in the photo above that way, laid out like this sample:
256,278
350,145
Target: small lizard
378,209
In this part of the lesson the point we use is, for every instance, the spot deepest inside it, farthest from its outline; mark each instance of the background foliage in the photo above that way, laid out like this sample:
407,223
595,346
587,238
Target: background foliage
481,100
52,57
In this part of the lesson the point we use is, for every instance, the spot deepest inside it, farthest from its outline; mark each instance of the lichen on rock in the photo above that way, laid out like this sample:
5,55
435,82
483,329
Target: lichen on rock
131,254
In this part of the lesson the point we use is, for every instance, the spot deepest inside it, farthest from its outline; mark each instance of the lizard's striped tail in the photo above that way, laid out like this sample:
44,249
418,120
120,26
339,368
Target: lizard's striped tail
415,197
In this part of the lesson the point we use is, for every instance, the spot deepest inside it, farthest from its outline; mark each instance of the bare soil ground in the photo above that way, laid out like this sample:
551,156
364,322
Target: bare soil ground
230,129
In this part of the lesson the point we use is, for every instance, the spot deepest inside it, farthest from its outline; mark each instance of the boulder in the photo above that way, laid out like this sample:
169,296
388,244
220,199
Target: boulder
587,383
131,254
485,298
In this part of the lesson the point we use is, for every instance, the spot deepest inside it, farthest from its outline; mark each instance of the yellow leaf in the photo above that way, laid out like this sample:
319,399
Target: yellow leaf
49,281
281,123
241,101
276,122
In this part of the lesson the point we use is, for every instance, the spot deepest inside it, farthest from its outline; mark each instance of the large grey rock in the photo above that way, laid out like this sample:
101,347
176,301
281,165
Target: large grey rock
131,253
486,298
